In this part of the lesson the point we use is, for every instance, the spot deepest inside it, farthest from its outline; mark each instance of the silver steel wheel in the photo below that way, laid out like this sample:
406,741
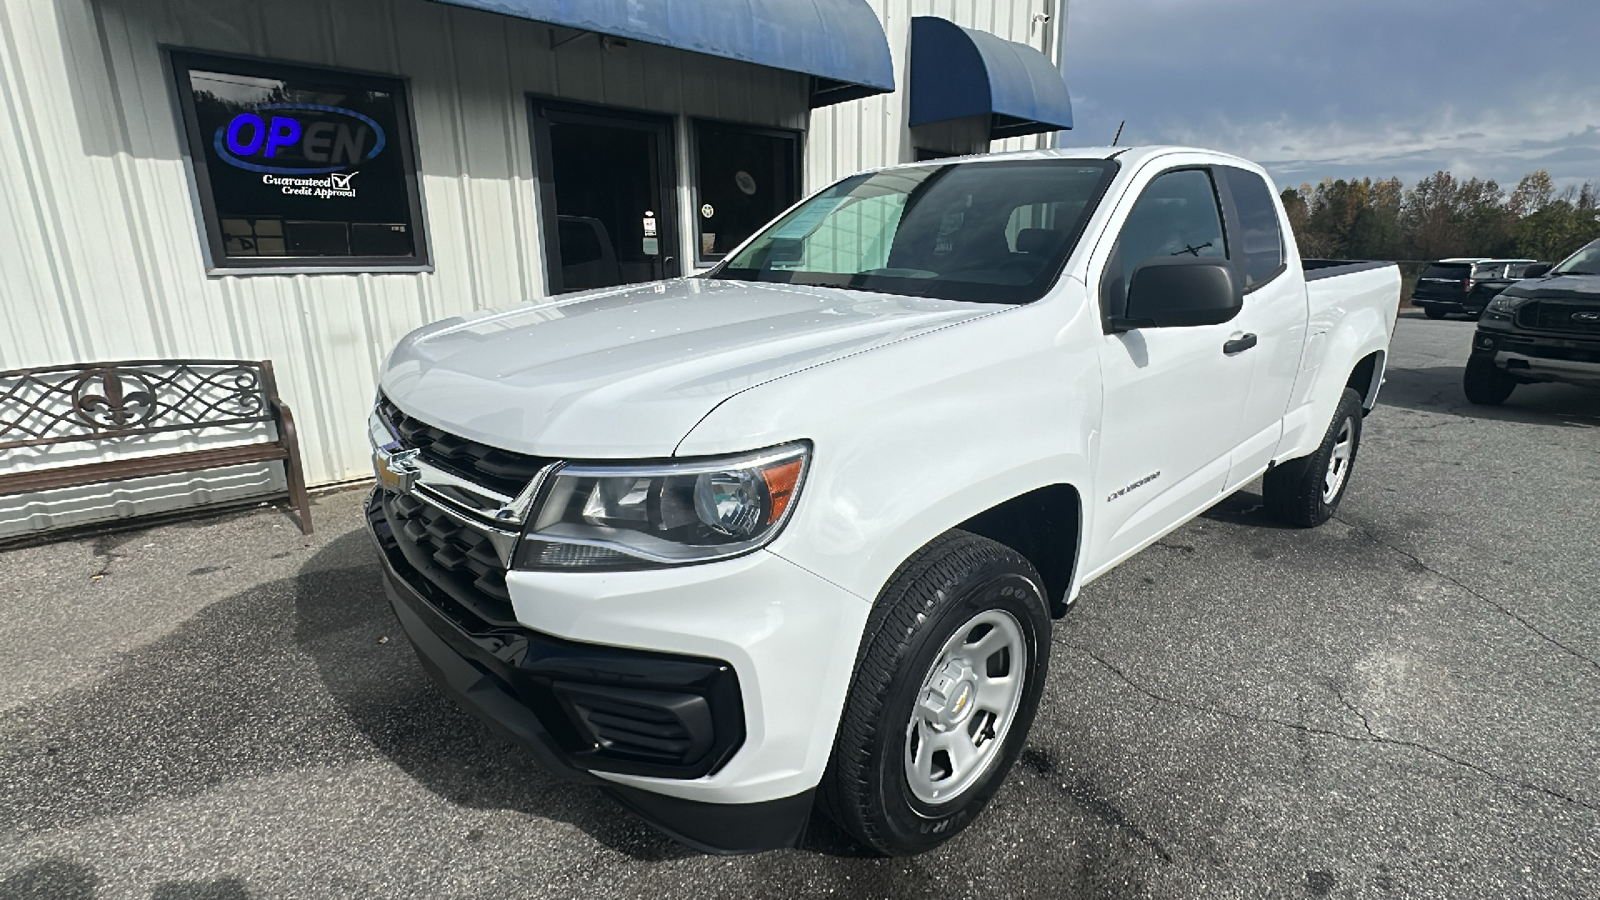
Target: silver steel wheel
1339,461
965,707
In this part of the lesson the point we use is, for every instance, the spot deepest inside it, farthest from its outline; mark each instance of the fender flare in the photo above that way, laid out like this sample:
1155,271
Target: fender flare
1359,334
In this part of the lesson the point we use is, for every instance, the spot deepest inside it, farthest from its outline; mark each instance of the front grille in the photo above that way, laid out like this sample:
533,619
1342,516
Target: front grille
498,470
1558,317
456,558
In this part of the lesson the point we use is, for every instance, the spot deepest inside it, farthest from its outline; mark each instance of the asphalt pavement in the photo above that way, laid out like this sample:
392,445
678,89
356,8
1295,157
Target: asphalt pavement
1402,703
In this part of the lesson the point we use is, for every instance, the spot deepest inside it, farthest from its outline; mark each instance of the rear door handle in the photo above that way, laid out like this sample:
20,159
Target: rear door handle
1239,344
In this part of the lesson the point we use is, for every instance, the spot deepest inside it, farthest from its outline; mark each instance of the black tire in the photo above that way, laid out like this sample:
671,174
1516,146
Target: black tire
1484,382
1296,491
936,592
1433,312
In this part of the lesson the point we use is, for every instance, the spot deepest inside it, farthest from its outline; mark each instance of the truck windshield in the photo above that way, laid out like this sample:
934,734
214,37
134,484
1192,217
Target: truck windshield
988,232
1584,262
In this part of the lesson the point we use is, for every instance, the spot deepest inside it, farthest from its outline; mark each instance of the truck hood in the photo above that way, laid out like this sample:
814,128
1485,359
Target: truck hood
1583,288
626,373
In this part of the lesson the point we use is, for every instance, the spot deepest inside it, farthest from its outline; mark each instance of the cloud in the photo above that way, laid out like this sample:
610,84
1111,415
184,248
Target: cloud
1341,88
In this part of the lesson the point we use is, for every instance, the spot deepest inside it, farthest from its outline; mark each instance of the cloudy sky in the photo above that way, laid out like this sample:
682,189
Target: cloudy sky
1342,88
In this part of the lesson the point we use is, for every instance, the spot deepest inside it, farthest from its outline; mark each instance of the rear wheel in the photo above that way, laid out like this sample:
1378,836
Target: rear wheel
945,689
1485,383
1307,491
1433,312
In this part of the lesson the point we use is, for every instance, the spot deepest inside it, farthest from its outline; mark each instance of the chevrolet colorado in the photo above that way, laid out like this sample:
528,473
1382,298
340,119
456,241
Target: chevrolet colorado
792,533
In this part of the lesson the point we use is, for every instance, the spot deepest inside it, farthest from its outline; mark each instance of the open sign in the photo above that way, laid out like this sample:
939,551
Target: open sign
298,139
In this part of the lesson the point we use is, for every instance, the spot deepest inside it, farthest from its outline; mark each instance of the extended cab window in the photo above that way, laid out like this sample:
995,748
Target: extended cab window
1260,235
988,232
1177,214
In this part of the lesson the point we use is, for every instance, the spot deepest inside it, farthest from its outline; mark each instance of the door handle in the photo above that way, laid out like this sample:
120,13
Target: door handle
1239,344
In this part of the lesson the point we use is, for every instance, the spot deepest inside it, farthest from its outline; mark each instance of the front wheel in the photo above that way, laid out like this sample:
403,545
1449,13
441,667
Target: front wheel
1484,382
1306,491
945,689
1433,312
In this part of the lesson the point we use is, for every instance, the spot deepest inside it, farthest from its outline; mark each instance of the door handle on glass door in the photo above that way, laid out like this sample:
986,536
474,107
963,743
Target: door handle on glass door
1239,344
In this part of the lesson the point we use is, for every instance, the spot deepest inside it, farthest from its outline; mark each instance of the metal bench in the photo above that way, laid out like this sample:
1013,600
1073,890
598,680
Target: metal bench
112,402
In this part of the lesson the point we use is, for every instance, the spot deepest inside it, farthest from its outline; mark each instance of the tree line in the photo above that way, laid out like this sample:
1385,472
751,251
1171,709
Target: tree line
1442,216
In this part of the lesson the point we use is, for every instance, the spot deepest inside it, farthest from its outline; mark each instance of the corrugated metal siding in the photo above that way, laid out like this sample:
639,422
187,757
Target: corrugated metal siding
100,252
99,242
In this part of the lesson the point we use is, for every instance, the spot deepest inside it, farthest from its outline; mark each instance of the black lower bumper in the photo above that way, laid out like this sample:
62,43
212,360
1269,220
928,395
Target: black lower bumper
1539,357
585,708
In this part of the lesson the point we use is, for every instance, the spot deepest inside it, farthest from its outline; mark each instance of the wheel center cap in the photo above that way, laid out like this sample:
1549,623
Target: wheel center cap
949,698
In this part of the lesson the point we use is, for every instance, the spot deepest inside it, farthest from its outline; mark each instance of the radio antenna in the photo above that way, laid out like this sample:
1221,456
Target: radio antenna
1119,133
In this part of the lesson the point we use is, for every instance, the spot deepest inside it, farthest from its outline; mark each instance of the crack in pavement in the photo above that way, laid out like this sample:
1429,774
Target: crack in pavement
1364,532
1372,737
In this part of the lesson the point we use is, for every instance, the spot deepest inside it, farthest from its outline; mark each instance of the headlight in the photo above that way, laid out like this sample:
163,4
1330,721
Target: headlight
645,516
1506,305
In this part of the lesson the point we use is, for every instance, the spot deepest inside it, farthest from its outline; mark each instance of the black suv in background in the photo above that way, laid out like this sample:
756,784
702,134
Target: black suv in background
1465,285
1545,328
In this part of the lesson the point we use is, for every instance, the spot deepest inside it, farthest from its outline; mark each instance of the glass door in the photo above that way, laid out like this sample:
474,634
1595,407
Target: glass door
607,196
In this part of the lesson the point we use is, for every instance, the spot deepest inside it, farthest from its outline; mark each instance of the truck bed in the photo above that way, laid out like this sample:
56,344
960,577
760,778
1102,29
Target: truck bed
1337,288
1331,268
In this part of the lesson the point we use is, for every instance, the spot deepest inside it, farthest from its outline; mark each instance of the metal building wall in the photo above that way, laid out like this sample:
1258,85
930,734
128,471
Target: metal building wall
100,250
100,253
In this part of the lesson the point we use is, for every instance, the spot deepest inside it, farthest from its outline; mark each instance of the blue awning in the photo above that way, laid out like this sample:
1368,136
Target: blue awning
840,43
959,72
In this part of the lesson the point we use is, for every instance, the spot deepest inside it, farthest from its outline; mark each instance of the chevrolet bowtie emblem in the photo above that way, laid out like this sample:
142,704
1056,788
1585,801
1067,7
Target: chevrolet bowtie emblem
396,471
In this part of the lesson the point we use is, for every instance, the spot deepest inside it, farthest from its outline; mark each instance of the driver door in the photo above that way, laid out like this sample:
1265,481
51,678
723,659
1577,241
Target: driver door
1173,399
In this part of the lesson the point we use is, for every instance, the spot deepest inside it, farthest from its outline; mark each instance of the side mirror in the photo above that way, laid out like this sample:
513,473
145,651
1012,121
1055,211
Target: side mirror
1537,270
1175,292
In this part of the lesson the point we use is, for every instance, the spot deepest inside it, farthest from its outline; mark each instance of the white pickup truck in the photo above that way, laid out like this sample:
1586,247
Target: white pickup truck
793,533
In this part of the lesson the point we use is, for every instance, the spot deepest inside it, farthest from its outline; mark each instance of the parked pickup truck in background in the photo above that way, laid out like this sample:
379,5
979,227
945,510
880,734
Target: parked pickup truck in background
793,533
1545,328
1465,286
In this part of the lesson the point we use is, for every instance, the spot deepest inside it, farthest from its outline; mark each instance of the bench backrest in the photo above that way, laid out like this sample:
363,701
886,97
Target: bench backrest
61,404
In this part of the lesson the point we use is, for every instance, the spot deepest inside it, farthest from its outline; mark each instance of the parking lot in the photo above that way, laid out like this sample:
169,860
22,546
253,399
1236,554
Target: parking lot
1404,702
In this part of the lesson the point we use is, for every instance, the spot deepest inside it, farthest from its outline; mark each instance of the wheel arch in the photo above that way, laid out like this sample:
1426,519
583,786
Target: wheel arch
1351,355
1367,377
1045,525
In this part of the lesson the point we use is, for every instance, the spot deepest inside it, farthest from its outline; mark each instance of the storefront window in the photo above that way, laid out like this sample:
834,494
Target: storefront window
745,178
301,167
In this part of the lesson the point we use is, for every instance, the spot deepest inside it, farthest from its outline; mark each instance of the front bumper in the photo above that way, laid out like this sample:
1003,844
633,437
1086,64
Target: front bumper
1535,358
769,711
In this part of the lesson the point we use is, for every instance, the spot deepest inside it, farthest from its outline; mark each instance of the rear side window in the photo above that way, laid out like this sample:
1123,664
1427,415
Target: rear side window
1447,272
1261,237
